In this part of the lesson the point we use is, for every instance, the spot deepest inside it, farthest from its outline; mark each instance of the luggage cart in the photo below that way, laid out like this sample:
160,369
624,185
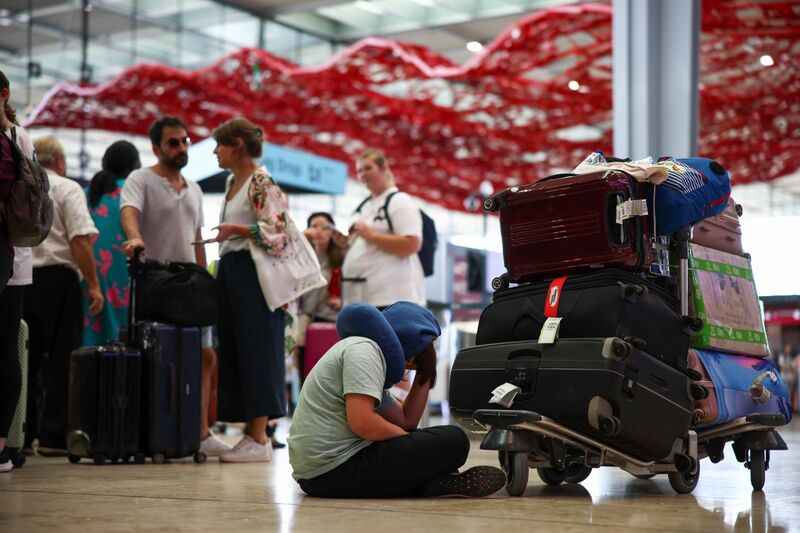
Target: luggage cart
526,440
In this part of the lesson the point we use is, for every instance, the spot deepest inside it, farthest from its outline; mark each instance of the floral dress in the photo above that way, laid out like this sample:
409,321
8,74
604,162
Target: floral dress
112,272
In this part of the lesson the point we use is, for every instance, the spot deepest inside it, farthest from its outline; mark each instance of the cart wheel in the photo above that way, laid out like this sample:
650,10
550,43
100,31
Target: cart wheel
644,476
159,458
551,476
138,458
684,483
99,459
19,461
576,472
200,458
758,467
515,465
74,459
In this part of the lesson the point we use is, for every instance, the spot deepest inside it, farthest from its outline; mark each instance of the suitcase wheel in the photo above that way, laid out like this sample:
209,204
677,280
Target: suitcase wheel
99,459
693,374
493,203
609,425
138,458
200,458
698,392
500,282
74,459
19,460
159,458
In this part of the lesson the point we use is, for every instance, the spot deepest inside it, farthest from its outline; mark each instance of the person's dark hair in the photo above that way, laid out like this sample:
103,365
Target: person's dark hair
426,366
120,159
240,128
157,129
335,253
8,111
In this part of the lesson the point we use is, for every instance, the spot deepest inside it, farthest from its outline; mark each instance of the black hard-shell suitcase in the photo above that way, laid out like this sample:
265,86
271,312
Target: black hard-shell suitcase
171,390
604,388
104,396
606,303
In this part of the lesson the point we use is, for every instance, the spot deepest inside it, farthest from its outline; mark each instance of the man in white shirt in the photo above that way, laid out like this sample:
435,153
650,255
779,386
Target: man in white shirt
162,213
52,306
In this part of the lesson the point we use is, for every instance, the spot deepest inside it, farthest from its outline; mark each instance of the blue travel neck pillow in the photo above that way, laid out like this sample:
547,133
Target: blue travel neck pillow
402,331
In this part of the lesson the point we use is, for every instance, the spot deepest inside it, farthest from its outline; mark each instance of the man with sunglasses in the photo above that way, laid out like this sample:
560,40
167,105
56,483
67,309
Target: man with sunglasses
161,212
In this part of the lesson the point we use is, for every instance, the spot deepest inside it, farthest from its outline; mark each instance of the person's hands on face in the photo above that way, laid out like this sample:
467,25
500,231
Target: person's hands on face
130,246
226,231
96,301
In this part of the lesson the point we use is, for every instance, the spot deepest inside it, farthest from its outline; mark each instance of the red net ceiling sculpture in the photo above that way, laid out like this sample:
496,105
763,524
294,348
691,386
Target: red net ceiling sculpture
508,115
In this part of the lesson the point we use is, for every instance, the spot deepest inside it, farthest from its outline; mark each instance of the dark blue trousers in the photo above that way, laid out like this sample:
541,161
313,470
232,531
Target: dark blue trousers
251,344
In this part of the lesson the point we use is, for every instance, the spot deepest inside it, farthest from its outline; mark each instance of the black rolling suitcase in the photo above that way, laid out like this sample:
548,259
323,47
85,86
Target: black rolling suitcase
604,388
170,421
606,303
104,396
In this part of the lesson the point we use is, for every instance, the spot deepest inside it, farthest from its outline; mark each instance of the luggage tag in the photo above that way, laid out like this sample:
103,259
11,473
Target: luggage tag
549,332
631,208
504,394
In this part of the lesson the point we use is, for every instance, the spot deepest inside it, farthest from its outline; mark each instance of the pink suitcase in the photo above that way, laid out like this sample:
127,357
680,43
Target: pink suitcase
706,408
721,232
320,336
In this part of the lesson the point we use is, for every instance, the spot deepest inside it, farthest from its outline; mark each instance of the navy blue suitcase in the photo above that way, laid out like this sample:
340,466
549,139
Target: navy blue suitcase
171,390
104,398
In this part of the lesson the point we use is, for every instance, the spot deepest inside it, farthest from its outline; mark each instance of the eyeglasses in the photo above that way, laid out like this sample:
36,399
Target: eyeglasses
174,143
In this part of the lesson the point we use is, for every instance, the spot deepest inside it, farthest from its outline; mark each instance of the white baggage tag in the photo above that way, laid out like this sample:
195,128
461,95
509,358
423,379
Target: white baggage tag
505,394
631,208
549,331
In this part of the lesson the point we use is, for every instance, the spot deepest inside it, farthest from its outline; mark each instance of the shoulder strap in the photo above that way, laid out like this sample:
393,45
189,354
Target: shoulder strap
14,133
362,204
386,210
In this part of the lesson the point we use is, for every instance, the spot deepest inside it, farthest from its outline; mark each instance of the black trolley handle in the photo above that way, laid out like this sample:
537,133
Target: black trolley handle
135,269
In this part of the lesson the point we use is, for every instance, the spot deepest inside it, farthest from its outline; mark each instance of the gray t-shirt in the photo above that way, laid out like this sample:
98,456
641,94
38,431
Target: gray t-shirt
168,221
320,438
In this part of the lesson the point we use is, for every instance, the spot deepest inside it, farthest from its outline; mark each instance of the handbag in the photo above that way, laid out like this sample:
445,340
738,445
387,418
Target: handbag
178,293
291,273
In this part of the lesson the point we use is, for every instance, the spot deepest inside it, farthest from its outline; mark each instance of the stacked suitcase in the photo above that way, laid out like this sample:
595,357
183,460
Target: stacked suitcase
595,336
138,397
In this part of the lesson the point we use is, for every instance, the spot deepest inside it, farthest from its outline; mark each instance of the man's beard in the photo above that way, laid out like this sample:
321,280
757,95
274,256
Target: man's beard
177,162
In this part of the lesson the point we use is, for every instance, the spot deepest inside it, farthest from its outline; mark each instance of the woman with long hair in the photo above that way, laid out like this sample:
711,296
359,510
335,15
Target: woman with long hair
119,160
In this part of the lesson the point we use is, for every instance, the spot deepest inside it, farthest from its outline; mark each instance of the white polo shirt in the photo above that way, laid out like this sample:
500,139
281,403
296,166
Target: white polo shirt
376,277
168,221
70,219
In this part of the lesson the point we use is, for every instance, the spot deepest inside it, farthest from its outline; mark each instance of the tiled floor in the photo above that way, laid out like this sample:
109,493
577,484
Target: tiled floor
52,495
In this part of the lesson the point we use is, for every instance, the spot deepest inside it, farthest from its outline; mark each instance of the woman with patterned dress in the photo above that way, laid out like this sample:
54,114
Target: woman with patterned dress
120,159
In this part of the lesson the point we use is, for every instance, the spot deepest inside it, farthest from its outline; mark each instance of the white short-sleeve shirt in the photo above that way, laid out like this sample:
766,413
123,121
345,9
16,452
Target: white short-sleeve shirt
70,219
376,277
168,221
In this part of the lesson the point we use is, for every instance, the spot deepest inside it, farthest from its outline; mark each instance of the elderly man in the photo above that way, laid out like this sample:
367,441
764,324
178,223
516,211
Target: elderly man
52,308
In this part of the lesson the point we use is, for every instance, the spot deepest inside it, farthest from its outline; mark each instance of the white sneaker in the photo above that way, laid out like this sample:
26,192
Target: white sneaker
213,446
248,450
7,466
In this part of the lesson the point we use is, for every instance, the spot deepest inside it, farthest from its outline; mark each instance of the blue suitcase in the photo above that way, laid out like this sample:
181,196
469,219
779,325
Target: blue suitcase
745,385
171,390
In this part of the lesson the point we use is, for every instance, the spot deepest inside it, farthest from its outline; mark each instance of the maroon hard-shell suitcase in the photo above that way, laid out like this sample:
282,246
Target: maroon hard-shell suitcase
721,232
568,223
